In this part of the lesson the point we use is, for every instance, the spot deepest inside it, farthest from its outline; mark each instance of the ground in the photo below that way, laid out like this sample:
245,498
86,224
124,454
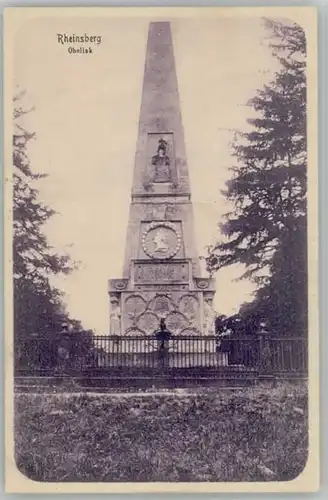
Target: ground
253,434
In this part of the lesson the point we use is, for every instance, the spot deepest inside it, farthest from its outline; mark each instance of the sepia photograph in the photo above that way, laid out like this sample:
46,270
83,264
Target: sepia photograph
161,181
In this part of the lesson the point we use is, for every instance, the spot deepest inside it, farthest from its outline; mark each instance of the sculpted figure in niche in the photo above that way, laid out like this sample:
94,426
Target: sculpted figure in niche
115,317
160,241
161,162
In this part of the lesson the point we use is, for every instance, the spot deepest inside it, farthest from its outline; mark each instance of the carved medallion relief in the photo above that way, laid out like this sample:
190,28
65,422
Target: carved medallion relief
161,240
148,322
176,322
162,305
134,306
189,306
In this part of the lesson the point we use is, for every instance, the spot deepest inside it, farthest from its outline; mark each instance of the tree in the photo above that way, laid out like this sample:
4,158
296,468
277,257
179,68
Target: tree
284,299
266,231
37,305
34,259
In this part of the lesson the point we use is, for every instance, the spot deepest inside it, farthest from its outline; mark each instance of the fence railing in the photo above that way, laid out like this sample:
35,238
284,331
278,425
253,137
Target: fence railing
71,354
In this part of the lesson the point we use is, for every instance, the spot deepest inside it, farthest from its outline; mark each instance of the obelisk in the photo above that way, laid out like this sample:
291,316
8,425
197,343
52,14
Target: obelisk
161,275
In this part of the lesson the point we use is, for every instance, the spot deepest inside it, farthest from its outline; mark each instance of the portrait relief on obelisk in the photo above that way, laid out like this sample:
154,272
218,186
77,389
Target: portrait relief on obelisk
161,240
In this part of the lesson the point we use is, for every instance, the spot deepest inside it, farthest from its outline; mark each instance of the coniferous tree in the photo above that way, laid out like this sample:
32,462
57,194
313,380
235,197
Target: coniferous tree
39,307
266,231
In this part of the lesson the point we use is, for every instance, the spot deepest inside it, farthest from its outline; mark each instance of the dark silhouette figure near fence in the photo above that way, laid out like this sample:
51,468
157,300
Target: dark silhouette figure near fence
163,336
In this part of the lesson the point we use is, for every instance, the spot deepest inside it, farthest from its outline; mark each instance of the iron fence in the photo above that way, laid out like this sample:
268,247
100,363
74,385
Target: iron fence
75,354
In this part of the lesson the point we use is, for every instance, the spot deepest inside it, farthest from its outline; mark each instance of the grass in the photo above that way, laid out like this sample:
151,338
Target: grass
254,434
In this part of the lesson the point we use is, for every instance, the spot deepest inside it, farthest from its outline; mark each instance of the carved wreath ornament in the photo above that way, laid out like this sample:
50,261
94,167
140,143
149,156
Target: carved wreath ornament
162,248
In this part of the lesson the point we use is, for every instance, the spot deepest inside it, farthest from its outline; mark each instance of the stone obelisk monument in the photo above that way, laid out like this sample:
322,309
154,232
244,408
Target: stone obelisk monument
161,275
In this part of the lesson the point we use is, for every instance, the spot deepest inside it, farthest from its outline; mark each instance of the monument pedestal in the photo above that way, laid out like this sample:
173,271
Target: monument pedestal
183,301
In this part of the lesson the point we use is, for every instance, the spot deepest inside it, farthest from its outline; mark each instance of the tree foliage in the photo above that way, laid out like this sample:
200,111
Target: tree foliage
266,230
34,258
284,298
38,306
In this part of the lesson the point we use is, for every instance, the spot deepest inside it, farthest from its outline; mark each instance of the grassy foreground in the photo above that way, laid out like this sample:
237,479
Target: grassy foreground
247,435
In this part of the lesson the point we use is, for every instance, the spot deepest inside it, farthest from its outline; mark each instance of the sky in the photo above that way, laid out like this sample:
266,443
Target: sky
86,123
